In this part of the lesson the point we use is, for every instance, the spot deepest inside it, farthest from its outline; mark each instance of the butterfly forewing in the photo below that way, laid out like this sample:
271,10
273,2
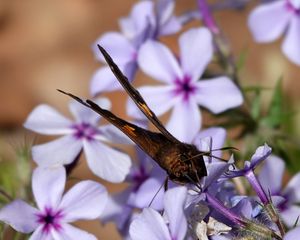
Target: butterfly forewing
135,95
183,162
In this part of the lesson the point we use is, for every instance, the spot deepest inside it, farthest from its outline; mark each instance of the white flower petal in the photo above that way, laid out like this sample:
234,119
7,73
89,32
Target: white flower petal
273,166
61,151
104,80
118,47
87,115
218,94
46,120
38,234
48,185
267,22
185,121
156,60
174,202
105,162
290,215
141,15
292,234
150,191
291,44
292,189
69,232
149,225
112,134
196,51
85,200
159,98
20,216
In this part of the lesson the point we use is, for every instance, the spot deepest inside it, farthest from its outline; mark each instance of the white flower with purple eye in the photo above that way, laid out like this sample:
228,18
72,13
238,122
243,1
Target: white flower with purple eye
183,92
83,133
271,179
150,225
147,20
86,200
269,21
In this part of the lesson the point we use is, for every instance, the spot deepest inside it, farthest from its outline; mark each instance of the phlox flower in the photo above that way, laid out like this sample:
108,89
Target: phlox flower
151,225
271,179
269,21
182,91
50,220
148,19
292,234
83,133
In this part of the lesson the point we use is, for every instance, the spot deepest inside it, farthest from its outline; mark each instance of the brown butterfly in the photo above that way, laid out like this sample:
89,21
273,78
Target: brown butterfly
183,162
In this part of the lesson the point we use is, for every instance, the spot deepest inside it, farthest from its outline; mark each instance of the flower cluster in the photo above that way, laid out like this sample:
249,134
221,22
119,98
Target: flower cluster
235,199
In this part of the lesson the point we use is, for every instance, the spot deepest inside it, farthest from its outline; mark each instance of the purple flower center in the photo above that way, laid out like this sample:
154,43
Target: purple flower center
139,177
293,6
185,87
50,219
84,131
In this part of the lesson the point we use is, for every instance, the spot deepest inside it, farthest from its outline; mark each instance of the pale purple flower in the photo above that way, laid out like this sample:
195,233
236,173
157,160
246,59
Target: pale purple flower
269,21
151,225
183,92
271,179
82,133
261,153
146,20
84,201
292,234
146,189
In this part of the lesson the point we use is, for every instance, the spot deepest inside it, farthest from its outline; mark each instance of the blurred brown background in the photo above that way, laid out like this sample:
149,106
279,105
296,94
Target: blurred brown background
45,45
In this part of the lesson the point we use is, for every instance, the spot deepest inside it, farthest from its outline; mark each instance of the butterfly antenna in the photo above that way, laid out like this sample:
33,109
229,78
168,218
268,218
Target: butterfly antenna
162,185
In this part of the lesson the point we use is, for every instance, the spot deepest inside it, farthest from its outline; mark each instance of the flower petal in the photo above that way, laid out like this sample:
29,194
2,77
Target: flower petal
61,151
292,234
149,194
69,232
290,215
218,136
291,44
185,121
156,60
196,51
159,98
86,115
142,14
260,154
267,22
105,162
149,225
118,47
112,134
46,120
174,202
39,234
271,174
20,216
48,185
210,93
104,80
167,23
85,200
292,189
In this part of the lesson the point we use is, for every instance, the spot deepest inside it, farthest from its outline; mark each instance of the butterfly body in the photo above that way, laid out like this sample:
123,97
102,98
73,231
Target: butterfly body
183,162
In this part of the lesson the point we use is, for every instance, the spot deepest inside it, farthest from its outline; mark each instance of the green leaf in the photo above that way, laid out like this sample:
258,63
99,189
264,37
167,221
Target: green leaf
275,114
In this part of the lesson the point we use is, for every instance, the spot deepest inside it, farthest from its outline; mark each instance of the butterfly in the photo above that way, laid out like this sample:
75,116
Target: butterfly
183,162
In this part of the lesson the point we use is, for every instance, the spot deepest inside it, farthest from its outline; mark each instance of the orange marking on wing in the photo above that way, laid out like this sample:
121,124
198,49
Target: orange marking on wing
129,130
146,109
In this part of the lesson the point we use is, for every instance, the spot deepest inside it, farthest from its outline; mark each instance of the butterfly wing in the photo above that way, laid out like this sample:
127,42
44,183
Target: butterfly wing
136,96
